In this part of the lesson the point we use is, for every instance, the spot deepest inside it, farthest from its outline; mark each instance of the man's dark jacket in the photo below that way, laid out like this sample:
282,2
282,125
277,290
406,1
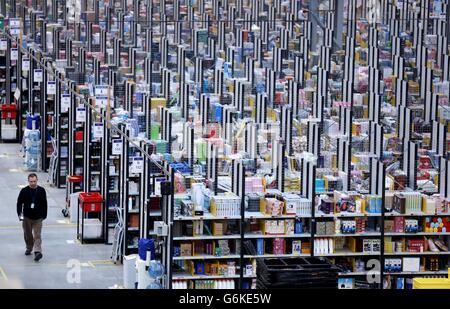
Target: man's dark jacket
40,203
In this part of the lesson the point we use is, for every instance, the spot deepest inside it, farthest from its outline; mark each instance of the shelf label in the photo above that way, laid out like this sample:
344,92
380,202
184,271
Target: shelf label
101,101
81,114
38,76
3,45
14,31
65,103
14,54
158,185
14,22
25,64
137,167
14,26
101,90
117,146
51,87
98,130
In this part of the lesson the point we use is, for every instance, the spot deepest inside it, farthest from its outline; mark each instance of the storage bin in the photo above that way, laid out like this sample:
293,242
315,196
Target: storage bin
298,273
432,283
91,201
92,229
73,207
9,131
9,111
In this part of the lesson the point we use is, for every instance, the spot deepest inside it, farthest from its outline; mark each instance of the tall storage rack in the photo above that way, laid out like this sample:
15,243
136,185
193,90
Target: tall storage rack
9,115
62,109
112,143
153,199
24,89
4,77
133,195
48,114
76,141
92,154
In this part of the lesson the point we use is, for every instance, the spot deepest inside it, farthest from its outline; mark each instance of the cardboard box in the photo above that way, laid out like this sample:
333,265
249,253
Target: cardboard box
306,248
274,227
218,228
291,207
197,227
289,227
278,246
274,207
186,249
134,220
158,102
321,228
399,224
329,228
411,264
388,226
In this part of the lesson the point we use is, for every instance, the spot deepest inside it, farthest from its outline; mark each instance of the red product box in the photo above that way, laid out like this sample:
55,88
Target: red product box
79,136
278,246
91,201
8,111
245,35
399,224
279,97
154,203
416,245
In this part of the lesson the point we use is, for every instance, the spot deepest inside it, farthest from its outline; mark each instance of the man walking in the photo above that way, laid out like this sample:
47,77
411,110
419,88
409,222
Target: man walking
32,210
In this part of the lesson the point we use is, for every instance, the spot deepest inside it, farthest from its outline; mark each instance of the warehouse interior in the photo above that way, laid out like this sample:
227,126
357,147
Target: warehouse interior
225,144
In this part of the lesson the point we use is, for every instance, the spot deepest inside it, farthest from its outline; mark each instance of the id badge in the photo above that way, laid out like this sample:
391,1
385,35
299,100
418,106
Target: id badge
32,206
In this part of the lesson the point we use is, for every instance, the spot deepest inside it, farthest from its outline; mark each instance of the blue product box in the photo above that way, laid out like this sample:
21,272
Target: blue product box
320,185
345,283
260,246
298,227
227,70
205,86
200,268
218,112
400,283
379,204
409,283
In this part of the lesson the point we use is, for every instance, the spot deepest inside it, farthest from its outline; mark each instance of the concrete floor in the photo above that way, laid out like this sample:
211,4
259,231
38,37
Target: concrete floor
66,263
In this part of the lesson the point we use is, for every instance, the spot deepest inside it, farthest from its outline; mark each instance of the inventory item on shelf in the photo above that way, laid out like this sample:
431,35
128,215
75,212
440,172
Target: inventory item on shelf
32,148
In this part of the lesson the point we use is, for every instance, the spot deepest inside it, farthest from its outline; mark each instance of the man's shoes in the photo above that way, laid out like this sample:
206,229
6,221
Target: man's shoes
37,256
432,246
27,252
441,245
